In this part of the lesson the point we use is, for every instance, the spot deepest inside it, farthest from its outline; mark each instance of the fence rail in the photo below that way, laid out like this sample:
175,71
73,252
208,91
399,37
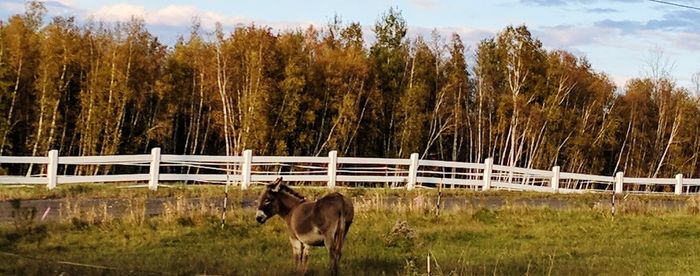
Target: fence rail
410,173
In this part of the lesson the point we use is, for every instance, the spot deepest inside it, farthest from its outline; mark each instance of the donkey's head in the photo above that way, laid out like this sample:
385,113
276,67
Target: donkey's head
269,203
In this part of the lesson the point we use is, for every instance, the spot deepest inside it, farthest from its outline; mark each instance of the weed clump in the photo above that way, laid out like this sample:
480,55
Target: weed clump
401,235
405,239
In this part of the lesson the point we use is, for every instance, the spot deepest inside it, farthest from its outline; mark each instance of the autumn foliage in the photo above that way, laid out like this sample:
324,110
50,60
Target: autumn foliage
96,89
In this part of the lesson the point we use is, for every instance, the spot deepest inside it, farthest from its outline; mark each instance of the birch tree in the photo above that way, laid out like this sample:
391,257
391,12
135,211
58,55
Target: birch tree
190,95
458,106
20,39
54,74
413,109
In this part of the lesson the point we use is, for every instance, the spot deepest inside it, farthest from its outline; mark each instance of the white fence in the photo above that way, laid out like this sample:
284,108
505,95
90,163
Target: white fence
394,172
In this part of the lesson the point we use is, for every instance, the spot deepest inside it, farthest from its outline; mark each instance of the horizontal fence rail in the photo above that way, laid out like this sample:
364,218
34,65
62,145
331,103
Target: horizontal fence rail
247,169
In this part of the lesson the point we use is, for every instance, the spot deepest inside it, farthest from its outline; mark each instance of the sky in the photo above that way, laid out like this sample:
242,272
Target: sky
619,37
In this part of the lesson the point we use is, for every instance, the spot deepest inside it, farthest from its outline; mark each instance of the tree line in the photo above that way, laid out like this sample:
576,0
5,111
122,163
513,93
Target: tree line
101,89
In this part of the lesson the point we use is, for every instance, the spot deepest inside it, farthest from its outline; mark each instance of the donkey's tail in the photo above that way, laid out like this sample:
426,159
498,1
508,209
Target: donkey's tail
344,220
339,236
335,249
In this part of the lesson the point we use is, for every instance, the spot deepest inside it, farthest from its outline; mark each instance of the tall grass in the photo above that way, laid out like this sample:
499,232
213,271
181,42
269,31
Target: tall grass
388,237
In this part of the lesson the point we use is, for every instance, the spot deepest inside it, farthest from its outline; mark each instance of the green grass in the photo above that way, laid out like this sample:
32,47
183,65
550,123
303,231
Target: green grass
384,240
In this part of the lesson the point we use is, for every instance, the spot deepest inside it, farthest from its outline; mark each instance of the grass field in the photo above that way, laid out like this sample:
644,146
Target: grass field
385,239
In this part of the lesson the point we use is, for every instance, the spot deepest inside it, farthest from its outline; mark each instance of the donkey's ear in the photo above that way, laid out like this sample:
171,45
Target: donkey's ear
275,186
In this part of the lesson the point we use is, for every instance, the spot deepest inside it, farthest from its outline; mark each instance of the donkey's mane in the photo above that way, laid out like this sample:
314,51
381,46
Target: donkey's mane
285,188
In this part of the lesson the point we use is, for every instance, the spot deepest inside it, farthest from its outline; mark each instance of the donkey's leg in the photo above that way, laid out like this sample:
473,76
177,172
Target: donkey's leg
338,250
330,244
297,250
304,258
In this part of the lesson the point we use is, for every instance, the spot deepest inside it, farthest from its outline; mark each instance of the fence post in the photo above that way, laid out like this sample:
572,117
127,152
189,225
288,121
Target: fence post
332,167
155,169
679,184
488,168
52,169
413,171
246,170
619,180
555,178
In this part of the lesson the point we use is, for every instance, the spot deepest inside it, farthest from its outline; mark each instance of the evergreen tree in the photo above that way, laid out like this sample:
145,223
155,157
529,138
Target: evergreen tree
389,57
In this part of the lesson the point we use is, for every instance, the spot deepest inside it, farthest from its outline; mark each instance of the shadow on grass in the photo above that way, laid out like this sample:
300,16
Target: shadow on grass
372,266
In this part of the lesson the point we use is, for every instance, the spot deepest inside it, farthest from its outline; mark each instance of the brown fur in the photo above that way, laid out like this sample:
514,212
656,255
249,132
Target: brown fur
324,222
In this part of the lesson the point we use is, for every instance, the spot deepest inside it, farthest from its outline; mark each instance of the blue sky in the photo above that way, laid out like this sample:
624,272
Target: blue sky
618,37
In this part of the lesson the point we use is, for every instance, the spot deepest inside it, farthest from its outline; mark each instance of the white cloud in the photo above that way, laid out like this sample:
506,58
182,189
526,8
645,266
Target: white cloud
181,16
119,12
66,3
172,15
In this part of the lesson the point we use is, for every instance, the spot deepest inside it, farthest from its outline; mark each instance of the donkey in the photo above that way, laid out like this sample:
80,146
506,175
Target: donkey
324,222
